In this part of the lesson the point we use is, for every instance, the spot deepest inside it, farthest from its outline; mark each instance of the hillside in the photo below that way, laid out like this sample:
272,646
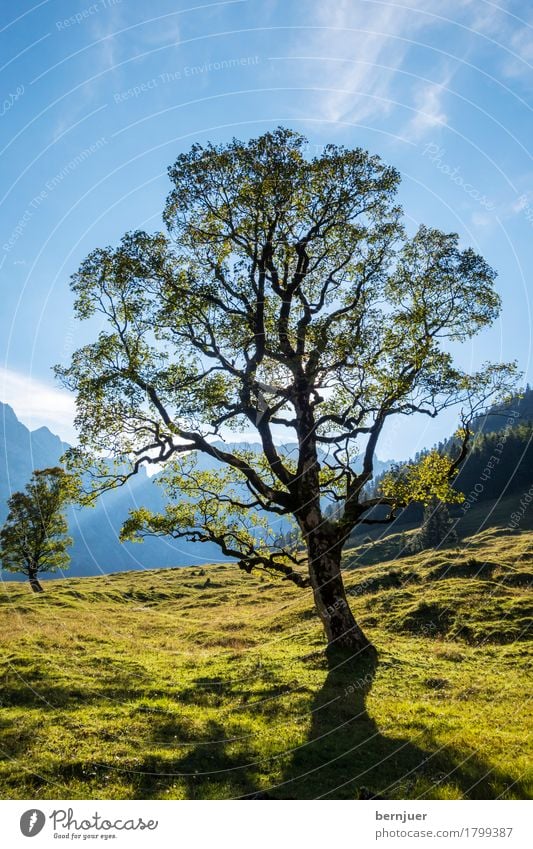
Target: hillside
519,407
208,683
498,466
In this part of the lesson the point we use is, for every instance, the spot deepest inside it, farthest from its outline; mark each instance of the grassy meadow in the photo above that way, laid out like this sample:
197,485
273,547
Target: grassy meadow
199,683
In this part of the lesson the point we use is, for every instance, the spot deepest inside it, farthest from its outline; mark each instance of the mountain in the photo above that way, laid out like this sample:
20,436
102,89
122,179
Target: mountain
500,462
22,452
95,531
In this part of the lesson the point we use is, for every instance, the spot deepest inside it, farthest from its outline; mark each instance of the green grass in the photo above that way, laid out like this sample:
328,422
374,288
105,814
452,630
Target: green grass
167,685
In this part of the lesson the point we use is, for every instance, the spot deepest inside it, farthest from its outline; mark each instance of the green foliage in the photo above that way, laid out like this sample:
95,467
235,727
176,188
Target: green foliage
34,537
498,464
286,293
424,481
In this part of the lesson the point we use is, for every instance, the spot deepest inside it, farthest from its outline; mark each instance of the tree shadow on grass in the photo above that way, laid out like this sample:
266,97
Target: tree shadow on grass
347,757
206,771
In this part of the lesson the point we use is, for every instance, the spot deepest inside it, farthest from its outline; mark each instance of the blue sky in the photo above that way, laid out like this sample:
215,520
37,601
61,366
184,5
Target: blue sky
97,99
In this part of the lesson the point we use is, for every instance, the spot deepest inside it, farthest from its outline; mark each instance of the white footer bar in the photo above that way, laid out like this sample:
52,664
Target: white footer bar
266,824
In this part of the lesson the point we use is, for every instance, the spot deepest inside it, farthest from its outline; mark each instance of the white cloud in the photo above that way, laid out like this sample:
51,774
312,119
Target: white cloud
357,54
37,403
508,27
481,223
429,105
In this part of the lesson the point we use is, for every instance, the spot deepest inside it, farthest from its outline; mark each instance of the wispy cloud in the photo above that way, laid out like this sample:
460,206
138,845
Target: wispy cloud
376,37
38,404
116,38
104,29
429,104
354,54
371,58
508,28
519,64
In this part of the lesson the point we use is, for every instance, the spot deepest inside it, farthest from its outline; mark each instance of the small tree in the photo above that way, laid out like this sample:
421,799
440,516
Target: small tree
437,528
34,538
286,296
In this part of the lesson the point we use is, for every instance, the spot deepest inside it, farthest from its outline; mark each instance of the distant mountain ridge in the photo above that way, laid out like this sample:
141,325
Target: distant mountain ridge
22,451
519,407
95,531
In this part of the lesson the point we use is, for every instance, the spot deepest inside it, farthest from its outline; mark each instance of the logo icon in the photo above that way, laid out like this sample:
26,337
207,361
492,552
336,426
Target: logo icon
32,822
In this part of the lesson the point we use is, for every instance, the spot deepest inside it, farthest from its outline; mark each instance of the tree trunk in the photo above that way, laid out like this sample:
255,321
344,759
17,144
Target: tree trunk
342,631
34,583
324,547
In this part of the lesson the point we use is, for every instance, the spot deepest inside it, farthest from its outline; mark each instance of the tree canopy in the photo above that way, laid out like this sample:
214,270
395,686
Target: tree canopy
286,298
34,537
